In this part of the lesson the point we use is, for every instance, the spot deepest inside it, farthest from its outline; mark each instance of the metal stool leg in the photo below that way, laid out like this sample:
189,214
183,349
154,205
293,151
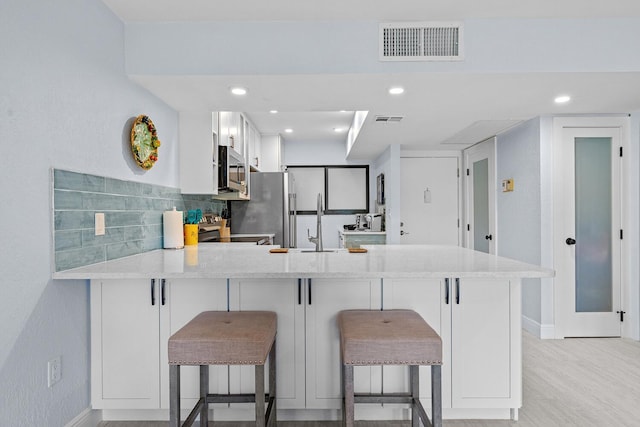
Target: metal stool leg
436,395
273,418
347,378
259,395
204,390
414,379
174,395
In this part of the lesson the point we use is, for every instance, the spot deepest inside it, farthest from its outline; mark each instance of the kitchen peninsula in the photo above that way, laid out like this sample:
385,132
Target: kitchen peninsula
470,298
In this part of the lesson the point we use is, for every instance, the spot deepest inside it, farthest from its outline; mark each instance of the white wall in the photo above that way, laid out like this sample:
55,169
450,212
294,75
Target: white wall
519,212
320,153
65,102
388,163
632,222
491,45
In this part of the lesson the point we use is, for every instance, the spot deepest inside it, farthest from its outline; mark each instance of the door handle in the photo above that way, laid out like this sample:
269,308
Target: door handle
488,237
153,291
570,241
446,291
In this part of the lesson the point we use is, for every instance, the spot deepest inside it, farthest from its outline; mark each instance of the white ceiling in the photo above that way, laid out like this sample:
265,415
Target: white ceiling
441,110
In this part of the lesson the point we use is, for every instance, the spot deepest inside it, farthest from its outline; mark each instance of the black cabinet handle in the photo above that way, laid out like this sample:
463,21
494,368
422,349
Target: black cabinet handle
488,237
153,291
299,291
162,284
446,291
570,241
309,289
457,290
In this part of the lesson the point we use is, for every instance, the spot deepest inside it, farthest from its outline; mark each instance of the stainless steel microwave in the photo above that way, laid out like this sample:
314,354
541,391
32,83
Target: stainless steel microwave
232,171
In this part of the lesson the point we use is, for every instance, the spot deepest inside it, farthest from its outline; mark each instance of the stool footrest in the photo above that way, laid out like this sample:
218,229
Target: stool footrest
395,398
234,398
383,398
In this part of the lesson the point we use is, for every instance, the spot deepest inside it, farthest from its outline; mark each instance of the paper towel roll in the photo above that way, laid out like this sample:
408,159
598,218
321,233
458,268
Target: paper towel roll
172,229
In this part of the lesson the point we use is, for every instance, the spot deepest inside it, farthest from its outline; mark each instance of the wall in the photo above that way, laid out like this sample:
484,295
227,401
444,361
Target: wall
65,102
133,216
632,245
388,163
321,153
519,212
339,47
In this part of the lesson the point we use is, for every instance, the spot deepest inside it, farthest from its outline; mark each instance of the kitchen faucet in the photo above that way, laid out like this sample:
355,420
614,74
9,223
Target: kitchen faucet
318,237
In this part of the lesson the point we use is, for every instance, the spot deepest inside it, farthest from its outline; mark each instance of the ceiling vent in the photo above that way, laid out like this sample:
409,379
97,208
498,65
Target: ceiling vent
389,119
421,41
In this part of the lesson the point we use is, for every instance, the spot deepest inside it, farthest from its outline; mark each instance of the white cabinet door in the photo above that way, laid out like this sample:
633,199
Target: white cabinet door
484,357
180,301
124,344
198,152
424,296
271,153
285,297
324,299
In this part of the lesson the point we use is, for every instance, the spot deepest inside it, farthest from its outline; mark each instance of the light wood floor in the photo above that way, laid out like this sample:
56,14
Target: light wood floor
573,382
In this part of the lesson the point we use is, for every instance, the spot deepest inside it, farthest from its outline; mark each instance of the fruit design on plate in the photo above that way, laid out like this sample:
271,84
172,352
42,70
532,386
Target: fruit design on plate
144,142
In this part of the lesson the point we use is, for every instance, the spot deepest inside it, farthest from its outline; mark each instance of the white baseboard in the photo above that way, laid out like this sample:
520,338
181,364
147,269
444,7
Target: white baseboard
86,418
544,332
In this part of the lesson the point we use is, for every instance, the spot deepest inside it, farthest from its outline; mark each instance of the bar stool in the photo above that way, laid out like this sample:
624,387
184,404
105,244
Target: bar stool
392,337
224,338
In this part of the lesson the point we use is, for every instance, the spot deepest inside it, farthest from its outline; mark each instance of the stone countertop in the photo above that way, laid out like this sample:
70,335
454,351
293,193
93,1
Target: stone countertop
381,261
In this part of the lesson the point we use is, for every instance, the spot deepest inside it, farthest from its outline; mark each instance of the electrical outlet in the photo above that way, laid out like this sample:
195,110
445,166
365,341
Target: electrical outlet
54,371
99,224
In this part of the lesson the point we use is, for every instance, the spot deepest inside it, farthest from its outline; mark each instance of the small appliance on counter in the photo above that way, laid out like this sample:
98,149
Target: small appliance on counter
368,222
374,221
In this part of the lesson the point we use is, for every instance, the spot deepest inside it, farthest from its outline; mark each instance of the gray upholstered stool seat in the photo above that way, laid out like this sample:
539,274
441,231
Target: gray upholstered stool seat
392,337
224,338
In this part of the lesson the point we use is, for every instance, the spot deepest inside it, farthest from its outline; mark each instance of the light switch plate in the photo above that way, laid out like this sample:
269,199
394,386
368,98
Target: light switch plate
99,224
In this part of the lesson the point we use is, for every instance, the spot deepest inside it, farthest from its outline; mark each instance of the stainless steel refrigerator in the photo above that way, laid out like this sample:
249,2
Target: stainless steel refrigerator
271,209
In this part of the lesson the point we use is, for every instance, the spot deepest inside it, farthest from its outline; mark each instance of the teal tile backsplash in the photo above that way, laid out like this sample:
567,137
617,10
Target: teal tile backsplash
133,216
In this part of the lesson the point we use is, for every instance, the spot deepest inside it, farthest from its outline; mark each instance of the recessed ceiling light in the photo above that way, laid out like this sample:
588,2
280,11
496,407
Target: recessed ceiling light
238,91
288,130
562,99
396,90
339,130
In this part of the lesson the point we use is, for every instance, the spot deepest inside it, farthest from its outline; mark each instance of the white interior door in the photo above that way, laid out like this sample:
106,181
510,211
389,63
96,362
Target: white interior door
588,231
480,185
429,200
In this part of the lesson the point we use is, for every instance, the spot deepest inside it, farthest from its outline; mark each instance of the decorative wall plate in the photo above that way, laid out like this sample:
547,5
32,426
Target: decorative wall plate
144,142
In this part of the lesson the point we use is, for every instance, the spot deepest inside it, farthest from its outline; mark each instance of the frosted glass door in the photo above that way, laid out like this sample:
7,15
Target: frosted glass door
480,189
588,230
481,205
593,224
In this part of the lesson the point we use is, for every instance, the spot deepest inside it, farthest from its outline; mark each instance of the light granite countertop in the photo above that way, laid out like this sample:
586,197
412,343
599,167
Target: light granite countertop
248,261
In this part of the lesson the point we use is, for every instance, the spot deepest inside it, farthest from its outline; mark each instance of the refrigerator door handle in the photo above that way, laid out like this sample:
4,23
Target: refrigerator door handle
293,235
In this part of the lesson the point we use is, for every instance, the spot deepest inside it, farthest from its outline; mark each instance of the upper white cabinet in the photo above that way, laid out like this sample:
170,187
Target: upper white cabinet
255,147
198,141
271,153
232,131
